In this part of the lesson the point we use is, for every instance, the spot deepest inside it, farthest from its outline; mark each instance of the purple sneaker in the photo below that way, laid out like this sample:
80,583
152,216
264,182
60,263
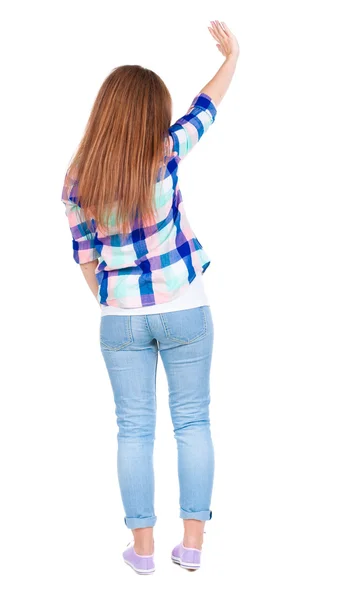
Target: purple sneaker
188,558
144,565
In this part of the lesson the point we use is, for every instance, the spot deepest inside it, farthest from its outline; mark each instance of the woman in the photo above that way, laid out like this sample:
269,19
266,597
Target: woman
144,264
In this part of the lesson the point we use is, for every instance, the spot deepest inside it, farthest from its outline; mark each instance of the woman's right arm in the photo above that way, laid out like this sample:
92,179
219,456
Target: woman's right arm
186,132
228,46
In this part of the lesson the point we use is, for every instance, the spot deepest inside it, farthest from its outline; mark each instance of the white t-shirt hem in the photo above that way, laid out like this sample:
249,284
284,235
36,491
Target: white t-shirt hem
194,296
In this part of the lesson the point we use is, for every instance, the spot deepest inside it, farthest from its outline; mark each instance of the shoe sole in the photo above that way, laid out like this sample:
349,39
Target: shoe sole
139,571
193,566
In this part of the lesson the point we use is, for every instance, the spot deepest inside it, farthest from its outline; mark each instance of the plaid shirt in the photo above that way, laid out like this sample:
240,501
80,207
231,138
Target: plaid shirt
153,264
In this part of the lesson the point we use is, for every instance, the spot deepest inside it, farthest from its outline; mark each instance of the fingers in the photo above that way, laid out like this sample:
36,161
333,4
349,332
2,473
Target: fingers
218,28
214,29
214,33
227,30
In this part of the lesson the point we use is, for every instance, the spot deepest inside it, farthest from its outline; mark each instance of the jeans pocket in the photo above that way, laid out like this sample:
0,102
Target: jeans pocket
115,332
185,326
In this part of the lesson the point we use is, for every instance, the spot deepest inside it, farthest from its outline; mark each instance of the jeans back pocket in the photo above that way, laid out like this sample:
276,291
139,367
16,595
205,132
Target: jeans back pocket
185,326
115,332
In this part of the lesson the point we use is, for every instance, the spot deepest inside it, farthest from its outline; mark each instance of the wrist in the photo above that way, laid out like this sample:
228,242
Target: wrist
231,63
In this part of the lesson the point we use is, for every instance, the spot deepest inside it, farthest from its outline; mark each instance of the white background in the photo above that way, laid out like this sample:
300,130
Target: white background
267,194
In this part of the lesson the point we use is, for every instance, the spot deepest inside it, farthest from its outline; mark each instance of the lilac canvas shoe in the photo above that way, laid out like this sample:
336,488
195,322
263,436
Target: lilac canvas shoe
144,565
188,558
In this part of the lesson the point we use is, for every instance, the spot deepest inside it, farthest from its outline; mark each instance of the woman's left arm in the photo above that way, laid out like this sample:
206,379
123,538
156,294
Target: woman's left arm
88,270
83,242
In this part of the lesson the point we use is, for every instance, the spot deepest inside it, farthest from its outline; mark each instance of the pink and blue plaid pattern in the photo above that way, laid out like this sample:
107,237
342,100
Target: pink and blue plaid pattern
153,264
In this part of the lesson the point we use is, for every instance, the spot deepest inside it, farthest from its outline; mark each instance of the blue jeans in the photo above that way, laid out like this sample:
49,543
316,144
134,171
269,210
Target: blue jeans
130,346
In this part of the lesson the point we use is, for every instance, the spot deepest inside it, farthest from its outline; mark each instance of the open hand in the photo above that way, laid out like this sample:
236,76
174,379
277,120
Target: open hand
227,42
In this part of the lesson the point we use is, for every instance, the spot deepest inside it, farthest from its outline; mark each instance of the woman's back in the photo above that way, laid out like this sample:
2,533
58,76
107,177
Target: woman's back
156,264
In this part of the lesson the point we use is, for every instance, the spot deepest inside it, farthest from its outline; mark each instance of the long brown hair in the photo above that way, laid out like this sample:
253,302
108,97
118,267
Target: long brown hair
123,147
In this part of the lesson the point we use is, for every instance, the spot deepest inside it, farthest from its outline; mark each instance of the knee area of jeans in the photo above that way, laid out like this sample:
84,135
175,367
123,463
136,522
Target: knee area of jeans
135,437
192,428
131,429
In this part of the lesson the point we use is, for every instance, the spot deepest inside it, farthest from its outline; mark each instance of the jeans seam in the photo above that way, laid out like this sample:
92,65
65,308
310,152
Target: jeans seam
164,324
114,348
128,324
147,324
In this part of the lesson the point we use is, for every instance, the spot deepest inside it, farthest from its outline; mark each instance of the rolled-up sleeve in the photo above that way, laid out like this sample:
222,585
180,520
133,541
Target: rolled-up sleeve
188,129
83,239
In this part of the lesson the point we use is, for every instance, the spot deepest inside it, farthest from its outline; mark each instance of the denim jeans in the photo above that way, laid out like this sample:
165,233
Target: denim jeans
130,345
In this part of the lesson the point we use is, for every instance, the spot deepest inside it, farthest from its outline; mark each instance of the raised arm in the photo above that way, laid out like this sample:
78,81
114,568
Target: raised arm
228,46
188,129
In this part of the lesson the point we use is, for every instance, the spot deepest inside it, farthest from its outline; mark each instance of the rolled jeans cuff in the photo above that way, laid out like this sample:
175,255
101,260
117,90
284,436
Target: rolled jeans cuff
139,522
202,515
